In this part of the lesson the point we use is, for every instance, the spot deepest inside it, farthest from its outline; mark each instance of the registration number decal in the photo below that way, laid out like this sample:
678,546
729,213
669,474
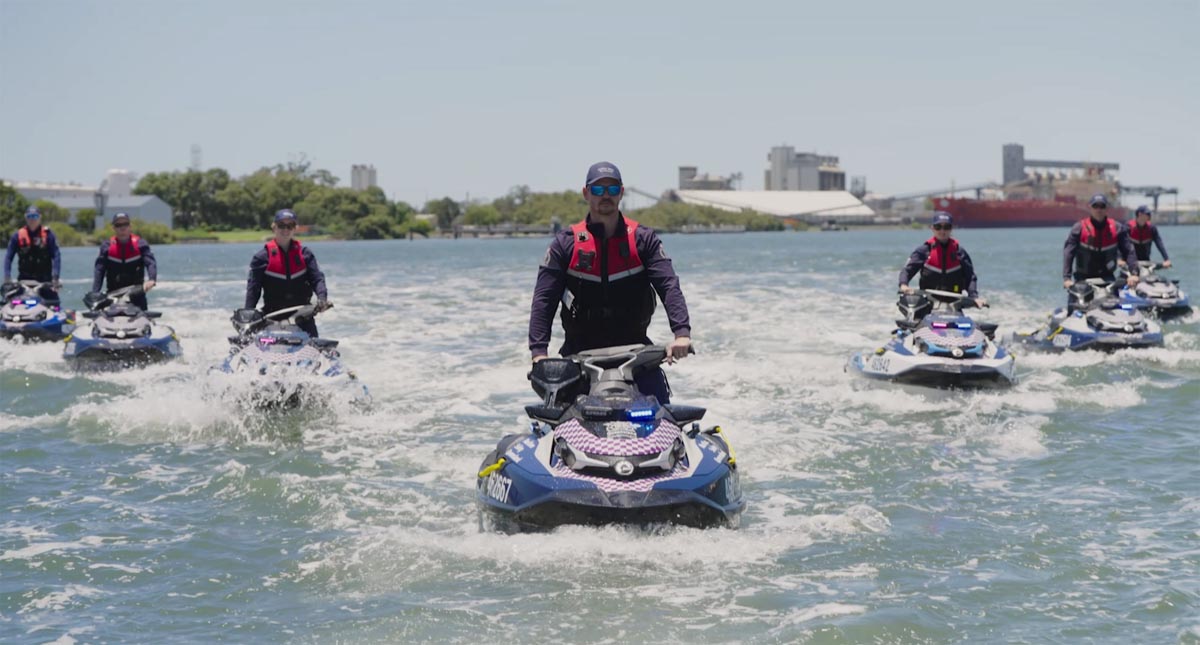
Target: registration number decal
497,487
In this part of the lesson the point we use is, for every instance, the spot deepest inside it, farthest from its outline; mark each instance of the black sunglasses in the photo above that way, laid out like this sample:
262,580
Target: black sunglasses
943,227
1100,206
285,226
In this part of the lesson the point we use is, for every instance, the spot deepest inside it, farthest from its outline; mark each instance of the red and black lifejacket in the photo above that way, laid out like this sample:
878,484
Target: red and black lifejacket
1141,236
34,260
124,265
608,299
1096,256
943,269
285,281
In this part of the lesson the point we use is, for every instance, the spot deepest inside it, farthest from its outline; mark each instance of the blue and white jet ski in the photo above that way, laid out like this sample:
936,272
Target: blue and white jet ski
1156,295
600,452
27,313
121,334
284,362
1094,319
938,347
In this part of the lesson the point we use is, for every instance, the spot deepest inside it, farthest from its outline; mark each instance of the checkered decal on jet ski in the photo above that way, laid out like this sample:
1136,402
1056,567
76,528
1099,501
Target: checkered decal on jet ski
932,337
610,485
579,438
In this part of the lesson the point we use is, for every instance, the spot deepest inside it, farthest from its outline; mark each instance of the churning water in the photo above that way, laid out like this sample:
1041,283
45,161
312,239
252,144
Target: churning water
149,506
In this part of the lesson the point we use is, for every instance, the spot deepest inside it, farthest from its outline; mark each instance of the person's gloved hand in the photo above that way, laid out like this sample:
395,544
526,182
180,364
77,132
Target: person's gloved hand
981,302
905,289
148,285
56,284
1132,281
323,304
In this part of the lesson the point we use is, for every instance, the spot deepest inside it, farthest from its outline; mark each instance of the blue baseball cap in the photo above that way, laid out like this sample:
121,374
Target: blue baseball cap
1143,209
1099,200
33,213
120,217
603,170
942,217
285,213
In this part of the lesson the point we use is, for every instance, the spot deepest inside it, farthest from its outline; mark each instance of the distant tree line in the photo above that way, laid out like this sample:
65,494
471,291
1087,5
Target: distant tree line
212,200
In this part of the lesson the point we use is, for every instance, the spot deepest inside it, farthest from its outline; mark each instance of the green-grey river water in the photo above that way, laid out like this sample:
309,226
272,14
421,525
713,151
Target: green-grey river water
148,506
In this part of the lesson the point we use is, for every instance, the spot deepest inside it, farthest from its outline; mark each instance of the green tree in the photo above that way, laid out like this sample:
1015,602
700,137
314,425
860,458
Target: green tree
51,212
68,236
12,208
85,220
152,232
542,208
446,209
374,227
481,215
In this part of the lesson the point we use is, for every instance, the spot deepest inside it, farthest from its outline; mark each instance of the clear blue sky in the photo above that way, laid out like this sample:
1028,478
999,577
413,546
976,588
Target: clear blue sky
450,97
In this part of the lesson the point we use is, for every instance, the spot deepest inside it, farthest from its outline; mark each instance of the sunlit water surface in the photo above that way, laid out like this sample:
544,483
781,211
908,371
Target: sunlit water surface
149,506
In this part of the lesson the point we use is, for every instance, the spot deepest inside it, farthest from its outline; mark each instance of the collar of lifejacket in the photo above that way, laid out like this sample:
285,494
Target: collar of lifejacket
597,228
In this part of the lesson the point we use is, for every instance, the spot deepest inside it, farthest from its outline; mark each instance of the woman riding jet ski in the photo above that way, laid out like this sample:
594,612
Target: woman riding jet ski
274,346
941,348
1156,295
599,452
1094,319
121,334
26,312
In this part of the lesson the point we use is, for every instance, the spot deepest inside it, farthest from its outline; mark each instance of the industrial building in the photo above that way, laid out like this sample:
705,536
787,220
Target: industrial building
689,179
113,195
362,177
810,206
789,170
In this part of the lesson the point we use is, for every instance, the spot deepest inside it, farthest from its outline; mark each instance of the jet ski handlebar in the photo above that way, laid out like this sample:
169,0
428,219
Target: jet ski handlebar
957,300
96,300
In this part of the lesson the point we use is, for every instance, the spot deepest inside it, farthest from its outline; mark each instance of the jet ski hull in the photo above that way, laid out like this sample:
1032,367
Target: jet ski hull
521,488
1072,332
114,353
43,330
935,372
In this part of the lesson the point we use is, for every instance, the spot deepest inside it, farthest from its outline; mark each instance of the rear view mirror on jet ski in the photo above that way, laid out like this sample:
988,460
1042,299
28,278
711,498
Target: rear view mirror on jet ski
598,452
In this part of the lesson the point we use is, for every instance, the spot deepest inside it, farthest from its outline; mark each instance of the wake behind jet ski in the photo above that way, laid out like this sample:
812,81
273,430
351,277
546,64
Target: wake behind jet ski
284,360
938,346
27,313
1156,295
121,334
1094,319
600,452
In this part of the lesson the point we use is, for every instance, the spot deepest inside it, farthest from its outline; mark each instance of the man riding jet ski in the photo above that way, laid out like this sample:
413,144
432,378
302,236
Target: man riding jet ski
938,348
1094,319
276,350
600,452
29,313
1155,295
121,334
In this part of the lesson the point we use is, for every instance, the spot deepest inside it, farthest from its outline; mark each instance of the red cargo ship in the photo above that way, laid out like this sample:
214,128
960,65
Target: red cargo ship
1063,210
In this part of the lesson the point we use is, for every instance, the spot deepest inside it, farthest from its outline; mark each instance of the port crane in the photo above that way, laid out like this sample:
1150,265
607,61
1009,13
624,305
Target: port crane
1153,192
